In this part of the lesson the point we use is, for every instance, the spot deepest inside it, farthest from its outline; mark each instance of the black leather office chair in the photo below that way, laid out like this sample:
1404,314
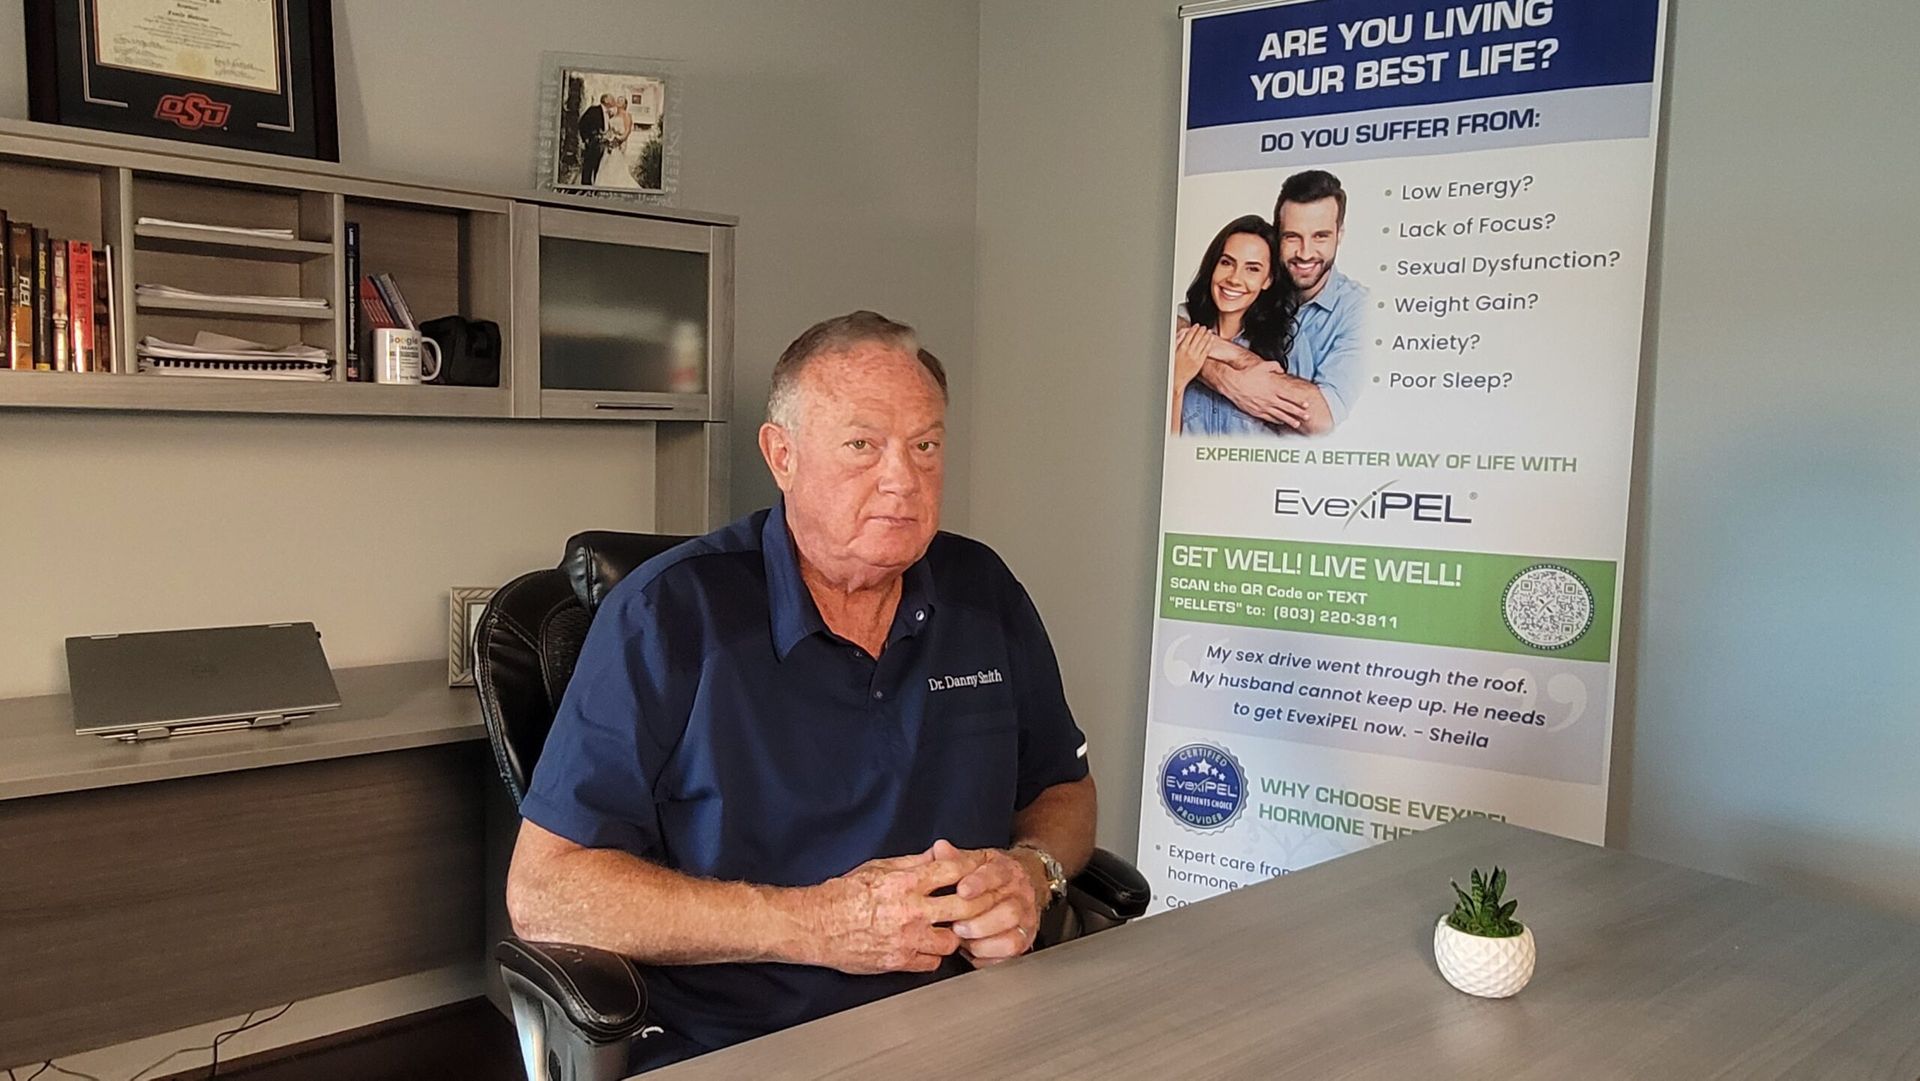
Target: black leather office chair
578,1010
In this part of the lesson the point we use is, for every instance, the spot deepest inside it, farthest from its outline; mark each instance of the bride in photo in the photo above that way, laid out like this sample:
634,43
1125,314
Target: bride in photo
618,162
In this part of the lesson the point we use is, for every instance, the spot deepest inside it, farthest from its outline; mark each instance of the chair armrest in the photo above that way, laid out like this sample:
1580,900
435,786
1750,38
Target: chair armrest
600,992
1110,888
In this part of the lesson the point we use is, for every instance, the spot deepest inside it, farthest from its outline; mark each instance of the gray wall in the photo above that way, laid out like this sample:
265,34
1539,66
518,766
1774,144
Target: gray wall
1768,727
1774,728
842,133
1078,107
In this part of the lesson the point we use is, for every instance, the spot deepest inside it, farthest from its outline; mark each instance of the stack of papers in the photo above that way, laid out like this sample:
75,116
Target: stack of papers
239,230
174,292
221,355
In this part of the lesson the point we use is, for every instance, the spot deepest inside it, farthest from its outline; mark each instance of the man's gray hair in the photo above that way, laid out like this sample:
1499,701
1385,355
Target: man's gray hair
838,335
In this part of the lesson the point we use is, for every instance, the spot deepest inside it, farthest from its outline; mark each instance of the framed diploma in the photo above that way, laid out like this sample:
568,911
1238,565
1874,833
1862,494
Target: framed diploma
247,74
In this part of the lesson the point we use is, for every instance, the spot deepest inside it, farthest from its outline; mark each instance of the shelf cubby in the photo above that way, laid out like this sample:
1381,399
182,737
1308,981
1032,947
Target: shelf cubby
180,240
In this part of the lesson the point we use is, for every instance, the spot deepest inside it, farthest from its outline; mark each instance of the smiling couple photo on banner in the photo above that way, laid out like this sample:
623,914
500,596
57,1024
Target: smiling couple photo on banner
1269,340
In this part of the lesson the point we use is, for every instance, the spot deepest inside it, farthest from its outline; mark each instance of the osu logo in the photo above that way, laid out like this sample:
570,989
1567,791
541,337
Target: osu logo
192,111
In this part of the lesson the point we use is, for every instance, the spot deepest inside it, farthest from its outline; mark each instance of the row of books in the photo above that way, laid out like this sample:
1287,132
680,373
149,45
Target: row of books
380,306
57,311
57,301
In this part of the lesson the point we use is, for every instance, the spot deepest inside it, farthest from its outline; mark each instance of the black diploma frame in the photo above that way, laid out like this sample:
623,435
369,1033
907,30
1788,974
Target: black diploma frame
194,70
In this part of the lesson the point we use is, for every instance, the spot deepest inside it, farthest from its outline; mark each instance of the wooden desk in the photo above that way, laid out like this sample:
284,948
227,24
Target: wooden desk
1646,971
389,707
146,887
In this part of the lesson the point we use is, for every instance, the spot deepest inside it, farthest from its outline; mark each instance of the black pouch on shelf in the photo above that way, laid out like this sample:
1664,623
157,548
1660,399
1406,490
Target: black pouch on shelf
469,350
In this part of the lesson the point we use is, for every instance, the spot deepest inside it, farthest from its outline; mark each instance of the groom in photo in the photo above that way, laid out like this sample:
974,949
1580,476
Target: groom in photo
592,127
1311,218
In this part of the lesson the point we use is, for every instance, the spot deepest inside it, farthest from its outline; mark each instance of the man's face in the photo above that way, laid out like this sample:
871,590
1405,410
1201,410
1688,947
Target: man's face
1309,239
606,101
862,472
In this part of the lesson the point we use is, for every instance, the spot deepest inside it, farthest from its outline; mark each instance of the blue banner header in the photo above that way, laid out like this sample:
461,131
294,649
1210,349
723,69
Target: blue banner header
1344,56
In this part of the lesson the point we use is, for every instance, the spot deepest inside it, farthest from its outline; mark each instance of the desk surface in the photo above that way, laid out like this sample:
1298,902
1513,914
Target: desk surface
389,707
1646,971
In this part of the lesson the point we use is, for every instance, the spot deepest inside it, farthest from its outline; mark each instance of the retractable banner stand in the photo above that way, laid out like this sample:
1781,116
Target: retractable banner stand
1410,269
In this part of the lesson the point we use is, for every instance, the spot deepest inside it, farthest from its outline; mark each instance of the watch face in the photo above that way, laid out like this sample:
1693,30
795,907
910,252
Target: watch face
1056,874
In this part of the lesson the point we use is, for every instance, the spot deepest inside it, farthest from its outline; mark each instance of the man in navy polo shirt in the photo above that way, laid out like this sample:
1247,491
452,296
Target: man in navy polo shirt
821,755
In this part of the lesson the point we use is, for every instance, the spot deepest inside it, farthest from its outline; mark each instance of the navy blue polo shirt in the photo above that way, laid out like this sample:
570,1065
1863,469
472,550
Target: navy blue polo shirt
716,726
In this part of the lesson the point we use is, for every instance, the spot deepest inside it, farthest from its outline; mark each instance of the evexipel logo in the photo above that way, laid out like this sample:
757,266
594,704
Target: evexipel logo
192,111
1380,504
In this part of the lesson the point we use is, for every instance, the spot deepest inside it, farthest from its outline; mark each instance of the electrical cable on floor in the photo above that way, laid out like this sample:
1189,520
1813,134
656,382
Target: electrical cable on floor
57,1068
213,1068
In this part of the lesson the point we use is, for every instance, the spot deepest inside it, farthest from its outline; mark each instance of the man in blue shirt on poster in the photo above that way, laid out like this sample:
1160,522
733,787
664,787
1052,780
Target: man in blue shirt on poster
1325,364
821,755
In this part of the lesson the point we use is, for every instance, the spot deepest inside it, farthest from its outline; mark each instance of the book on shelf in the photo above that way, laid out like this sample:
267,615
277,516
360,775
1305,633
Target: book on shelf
6,290
106,312
379,317
56,306
80,328
350,364
396,303
20,300
59,306
42,301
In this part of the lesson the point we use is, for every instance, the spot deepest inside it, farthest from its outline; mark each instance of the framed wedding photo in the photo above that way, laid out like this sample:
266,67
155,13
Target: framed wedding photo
609,128
465,606
244,74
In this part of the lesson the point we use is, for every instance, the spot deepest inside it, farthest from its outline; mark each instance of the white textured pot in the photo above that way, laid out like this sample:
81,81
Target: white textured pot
1488,967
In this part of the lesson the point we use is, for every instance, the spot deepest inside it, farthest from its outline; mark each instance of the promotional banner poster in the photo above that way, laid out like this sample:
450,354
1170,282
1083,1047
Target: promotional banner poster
1410,268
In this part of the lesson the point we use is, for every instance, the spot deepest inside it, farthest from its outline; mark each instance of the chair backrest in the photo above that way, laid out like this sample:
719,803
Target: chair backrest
530,637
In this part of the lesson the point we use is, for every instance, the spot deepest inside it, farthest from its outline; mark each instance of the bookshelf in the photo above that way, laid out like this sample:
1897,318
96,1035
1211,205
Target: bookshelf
479,254
633,324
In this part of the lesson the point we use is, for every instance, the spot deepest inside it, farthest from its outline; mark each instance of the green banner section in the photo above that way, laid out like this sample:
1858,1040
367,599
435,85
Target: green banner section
1536,606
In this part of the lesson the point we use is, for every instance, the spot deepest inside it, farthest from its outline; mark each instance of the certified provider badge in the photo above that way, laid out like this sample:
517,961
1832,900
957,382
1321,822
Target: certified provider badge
1547,606
1203,786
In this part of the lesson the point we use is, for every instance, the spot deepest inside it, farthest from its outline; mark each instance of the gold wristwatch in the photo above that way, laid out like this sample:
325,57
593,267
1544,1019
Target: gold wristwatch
1056,874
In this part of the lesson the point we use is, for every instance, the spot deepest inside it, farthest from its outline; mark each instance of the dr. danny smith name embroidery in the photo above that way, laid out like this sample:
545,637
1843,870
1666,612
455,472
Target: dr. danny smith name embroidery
978,679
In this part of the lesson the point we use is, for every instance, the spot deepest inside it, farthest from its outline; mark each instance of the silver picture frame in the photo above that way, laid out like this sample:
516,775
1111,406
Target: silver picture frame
464,607
571,84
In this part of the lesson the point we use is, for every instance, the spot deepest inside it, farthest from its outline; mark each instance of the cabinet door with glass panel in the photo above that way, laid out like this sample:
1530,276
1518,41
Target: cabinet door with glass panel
633,316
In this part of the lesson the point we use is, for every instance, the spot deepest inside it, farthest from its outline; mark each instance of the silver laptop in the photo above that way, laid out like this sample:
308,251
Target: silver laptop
163,683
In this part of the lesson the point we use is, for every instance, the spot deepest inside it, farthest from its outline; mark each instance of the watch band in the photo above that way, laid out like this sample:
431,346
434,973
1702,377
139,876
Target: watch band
1056,874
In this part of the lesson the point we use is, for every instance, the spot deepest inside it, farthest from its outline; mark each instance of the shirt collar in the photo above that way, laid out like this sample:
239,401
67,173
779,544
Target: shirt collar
916,601
795,616
1337,285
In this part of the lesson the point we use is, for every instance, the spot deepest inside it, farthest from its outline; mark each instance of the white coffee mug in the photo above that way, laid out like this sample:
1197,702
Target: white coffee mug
397,356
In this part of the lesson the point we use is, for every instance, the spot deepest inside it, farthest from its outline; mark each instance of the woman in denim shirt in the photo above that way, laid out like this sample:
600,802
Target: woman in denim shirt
1236,297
